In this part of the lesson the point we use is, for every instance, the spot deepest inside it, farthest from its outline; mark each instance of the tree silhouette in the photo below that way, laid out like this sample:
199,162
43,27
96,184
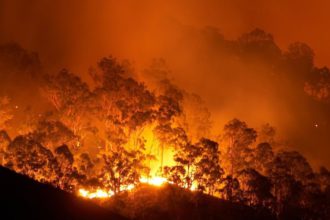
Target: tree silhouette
208,172
300,58
263,157
122,168
175,174
255,187
258,43
230,189
237,137
288,173
318,85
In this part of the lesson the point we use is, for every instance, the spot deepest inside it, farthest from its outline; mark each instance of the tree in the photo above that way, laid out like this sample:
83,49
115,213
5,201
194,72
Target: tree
255,187
195,117
169,97
122,169
313,202
208,172
263,156
64,90
170,136
123,105
175,174
230,189
300,58
237,136
72,100
289,173
53,134
26,156
323,177
169,102
68,175
261,44
294,164
187,156
318,86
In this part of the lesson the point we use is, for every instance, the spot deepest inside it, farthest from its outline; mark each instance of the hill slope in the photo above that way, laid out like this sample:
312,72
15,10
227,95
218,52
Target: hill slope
23,198
170,202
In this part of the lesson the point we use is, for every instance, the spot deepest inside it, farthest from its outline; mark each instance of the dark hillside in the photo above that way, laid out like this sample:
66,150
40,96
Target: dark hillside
24,198
170,202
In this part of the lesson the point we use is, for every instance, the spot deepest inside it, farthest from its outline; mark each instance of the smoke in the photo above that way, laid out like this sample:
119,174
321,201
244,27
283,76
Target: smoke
195,39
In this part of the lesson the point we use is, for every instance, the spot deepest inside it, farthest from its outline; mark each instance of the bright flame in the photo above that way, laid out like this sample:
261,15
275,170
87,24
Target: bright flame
99,193
155,181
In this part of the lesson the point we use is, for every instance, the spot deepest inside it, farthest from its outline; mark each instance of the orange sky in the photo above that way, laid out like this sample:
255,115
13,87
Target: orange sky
74,30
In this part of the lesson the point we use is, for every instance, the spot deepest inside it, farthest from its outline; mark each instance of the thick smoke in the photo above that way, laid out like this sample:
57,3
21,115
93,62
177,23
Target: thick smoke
233,80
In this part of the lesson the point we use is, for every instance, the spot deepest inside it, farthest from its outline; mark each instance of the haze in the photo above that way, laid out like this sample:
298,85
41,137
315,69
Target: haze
188,35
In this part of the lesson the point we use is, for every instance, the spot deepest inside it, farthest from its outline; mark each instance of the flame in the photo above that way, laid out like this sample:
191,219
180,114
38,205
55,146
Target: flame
155,181
101,194
164,158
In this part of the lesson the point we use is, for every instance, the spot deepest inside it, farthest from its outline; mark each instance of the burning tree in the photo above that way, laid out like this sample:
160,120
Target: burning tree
122,169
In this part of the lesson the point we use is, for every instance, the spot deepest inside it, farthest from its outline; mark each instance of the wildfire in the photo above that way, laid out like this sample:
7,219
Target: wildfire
155,181
101,194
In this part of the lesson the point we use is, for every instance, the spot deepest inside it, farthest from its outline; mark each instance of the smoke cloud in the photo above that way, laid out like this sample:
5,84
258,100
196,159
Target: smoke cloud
199,42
